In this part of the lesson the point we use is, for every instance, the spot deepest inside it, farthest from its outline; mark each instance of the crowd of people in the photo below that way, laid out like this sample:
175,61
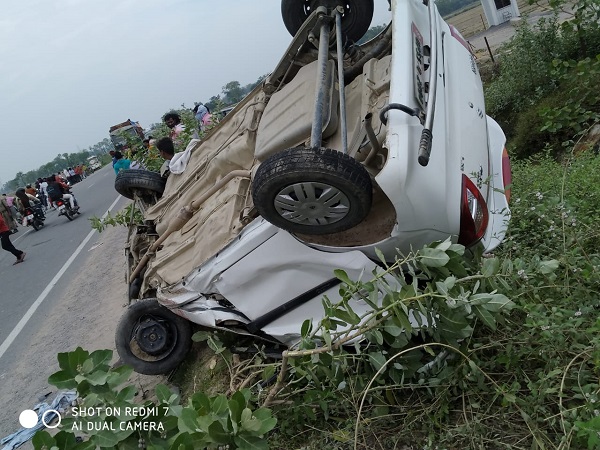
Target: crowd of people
165,146
43,194
75,174
47,190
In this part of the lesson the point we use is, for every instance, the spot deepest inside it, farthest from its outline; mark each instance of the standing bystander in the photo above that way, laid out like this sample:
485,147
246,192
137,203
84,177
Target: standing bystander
121,163
167,150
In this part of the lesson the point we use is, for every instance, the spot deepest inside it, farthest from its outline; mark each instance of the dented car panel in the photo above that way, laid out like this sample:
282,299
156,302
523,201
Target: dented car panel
228,255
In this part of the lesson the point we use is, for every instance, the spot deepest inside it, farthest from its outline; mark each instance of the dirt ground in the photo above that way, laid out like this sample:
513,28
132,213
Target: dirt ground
473,21
473,25
93,302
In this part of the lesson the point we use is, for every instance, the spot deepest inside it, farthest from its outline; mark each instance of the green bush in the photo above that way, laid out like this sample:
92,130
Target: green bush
117,420
562,117
527,69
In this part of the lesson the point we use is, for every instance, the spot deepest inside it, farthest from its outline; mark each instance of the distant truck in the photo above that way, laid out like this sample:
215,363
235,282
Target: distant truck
93,163
120,132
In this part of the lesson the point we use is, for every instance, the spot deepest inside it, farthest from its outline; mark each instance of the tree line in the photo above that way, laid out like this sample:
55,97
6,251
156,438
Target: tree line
231,93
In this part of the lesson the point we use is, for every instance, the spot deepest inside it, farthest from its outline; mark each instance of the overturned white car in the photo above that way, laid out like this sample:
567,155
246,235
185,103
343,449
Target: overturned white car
342,150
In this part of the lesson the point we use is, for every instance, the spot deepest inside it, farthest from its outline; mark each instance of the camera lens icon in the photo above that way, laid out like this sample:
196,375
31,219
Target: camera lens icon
29,418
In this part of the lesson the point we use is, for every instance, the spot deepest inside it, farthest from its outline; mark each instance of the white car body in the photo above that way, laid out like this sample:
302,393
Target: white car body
224,267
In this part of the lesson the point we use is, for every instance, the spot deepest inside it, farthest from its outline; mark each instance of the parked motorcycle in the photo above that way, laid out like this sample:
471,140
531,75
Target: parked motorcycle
64,208
34,217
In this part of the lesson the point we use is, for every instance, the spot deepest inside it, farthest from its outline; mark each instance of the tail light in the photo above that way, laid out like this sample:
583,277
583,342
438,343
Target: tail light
456,35
506,174
473,214
58,202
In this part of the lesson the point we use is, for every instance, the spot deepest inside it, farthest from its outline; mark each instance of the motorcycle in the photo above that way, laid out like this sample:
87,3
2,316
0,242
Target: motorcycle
64,208
303,178
34,217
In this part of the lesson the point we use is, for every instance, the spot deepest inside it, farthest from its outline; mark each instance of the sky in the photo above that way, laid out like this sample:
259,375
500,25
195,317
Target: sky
70,69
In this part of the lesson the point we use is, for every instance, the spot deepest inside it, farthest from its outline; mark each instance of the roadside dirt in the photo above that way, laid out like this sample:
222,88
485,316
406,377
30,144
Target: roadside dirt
86,316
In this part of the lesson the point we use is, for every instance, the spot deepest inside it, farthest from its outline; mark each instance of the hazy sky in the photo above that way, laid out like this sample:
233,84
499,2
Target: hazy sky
72,68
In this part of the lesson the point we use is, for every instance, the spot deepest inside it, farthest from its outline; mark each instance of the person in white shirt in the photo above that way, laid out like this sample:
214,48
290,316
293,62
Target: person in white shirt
44,188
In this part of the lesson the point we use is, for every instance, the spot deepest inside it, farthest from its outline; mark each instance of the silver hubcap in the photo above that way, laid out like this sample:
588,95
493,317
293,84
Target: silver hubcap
312,203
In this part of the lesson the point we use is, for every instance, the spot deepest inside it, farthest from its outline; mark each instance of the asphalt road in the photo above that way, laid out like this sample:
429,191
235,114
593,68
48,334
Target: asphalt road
28,291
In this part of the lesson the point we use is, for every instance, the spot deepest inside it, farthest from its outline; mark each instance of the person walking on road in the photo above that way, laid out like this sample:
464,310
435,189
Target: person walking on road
7,214
7,245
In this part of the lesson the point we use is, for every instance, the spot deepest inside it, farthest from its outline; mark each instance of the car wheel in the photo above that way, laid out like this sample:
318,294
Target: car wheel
312,191
152,339
128,181
355,20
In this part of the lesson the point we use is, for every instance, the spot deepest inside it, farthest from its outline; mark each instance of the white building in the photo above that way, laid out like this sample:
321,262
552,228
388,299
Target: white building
500,11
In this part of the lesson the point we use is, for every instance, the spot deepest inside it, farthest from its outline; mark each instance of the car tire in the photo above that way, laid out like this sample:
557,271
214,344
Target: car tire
355,21
128,181
161,325
312,191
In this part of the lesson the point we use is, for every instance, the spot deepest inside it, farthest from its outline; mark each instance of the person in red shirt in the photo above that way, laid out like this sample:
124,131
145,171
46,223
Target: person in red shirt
7,245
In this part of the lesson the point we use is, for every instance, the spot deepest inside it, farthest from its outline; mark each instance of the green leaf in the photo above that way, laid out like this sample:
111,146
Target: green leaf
343,276
380,255
217,433
126,394
306,328
235,413
118,376
377,359
201,403
547,267
376,334
441,288
457,248
220,405
267,421
76,359
249,442
491,266
200,336
453,324
42,439
65,440
101,357
491,302
110,438
433,257
402,319
392,329
249,422
62,380
486,317
499,302
63,363
188,420
445,245
348,317
97,378
87,366
163,393
187,441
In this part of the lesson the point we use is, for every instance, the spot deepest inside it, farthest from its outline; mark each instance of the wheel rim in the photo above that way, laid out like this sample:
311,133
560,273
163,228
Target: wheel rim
312,203
153,338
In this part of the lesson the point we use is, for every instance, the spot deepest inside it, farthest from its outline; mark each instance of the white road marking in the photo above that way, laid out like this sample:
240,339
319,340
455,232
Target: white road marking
22,235
19,327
